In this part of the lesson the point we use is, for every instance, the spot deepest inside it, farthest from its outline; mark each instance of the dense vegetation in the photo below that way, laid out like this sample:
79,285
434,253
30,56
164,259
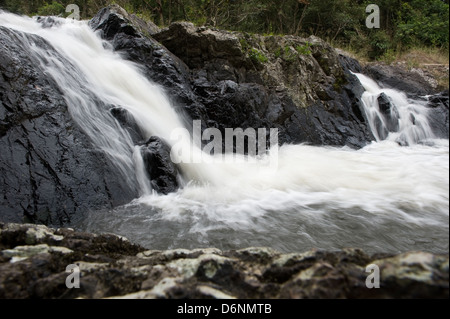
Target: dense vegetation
404,23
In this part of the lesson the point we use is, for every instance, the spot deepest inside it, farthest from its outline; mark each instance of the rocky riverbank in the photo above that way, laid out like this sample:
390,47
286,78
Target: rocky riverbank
50,172
33,261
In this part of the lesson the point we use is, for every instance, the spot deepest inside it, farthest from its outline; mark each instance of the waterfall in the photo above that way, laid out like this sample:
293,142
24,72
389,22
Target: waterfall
95,79
393,116
384,197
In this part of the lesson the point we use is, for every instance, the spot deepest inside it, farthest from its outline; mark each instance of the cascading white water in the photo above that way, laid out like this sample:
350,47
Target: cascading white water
383,197
93,79
410,116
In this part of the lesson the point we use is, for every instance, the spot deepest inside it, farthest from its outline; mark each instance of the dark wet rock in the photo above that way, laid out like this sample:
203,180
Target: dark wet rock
439,114
121,22
160,168
389,111
349,63
33,261
412,83
384,104
299,86
48,22
438,100
127,121
49,170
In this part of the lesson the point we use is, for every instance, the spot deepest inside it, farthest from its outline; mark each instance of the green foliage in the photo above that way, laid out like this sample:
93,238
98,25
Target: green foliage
424,24
304,49
404,23
380,43
278,52
257,56
52,9
244,44
289,54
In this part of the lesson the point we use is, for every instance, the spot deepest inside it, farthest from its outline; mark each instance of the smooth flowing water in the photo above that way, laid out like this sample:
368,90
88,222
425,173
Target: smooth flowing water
382,198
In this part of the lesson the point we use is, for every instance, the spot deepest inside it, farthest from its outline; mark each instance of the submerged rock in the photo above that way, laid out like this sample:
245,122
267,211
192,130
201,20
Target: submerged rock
390,113
112,267
162,172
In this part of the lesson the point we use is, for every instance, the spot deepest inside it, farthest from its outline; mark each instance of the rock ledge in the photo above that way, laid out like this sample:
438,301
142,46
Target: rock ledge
33,261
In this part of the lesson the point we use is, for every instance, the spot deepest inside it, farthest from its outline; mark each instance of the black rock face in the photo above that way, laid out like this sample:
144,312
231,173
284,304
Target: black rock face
49,170
439,114
389,112
396,78
128,123
162,171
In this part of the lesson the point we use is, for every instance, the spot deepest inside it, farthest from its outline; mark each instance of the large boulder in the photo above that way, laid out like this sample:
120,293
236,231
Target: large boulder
50,172
301,86
230,80
439,114
391,76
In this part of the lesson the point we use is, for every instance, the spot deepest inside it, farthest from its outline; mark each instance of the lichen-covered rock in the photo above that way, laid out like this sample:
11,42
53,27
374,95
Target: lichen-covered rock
112,267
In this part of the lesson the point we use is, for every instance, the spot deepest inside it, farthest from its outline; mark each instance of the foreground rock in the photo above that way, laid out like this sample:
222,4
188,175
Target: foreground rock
33,261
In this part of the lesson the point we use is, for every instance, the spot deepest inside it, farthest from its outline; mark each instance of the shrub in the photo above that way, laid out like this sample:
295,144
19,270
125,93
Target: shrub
52,9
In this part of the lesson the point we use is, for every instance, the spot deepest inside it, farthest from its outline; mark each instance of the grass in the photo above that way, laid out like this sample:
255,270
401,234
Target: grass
417,57
304,49
258,56
434,61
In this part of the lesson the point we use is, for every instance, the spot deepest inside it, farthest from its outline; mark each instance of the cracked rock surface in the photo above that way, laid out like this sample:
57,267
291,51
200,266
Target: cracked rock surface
33,261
